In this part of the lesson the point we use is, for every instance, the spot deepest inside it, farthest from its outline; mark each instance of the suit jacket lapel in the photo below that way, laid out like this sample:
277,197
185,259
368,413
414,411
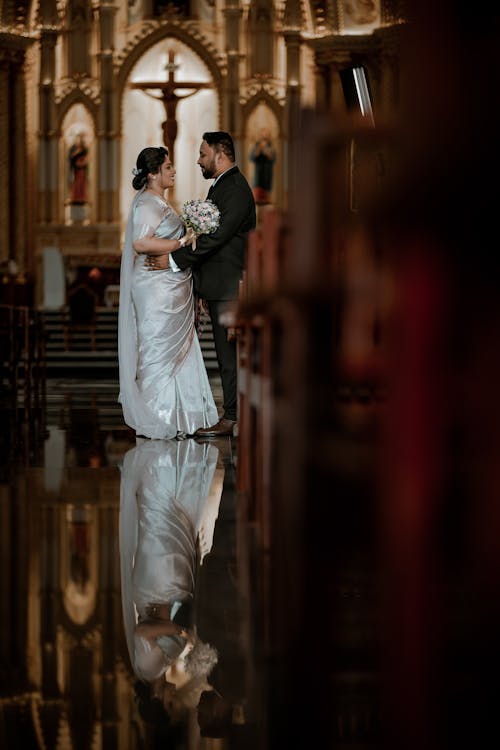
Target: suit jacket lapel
212,187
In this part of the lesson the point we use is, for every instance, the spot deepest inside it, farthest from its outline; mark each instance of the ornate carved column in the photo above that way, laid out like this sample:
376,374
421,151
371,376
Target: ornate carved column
48,194
108,133
292,35
50,597
14,219
5,249
388,88
110,610
21,218
231,110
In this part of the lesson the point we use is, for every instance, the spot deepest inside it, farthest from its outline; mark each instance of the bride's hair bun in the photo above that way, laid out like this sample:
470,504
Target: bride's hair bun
149,161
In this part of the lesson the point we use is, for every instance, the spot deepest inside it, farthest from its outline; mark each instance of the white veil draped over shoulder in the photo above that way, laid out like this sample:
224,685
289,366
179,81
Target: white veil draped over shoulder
136,412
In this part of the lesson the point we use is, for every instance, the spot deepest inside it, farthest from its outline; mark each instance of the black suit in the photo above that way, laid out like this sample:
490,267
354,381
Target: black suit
218,264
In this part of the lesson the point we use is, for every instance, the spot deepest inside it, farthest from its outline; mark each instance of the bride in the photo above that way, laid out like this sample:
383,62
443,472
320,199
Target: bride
164,386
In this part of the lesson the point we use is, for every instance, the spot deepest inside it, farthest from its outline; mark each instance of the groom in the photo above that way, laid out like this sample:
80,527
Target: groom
219,261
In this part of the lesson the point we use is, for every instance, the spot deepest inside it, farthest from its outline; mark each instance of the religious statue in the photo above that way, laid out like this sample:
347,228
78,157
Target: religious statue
78,171
170,99
263,156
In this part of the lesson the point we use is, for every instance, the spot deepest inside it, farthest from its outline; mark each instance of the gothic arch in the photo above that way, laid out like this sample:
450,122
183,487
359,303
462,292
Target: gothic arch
182,31
77,96
263,119
263,97
77,157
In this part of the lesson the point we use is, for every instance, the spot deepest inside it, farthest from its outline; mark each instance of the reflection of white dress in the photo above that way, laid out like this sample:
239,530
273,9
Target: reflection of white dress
164,387
168,490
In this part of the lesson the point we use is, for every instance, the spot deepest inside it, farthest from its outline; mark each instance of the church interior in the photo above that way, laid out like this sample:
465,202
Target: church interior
348,571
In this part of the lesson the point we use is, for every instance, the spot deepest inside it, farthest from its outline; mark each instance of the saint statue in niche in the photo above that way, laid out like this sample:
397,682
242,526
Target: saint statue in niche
78,171
263,156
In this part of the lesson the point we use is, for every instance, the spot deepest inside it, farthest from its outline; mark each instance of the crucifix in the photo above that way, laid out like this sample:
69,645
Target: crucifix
170,99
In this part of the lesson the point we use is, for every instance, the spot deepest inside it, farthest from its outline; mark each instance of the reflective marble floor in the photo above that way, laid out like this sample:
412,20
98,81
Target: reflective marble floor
66,675
328,629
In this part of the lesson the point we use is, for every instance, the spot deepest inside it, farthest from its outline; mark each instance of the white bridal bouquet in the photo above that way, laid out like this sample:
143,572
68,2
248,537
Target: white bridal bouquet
202,216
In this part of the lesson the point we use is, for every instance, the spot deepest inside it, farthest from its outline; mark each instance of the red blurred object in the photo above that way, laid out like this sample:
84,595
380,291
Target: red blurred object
95,274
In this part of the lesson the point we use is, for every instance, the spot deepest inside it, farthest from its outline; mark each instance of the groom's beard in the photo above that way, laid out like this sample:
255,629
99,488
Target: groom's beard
209,172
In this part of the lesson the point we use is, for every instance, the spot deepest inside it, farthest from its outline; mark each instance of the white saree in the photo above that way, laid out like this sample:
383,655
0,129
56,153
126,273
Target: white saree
164,386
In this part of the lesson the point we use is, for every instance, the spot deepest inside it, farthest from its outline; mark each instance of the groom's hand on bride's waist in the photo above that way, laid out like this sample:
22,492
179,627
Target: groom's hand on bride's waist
157,262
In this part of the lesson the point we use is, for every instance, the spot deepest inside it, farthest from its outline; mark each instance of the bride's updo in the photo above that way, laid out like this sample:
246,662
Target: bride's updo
149,161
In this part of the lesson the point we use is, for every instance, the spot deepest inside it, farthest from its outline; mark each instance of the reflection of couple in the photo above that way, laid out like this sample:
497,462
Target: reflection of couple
170,494
164,387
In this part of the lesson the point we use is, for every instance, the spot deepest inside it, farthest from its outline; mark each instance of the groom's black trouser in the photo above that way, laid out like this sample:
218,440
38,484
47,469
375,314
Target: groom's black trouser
226,359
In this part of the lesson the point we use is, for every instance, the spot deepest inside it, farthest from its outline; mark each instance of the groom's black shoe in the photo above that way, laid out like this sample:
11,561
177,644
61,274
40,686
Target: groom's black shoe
223,428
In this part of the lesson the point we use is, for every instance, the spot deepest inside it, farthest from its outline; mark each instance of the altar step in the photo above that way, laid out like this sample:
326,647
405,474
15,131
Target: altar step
79,351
